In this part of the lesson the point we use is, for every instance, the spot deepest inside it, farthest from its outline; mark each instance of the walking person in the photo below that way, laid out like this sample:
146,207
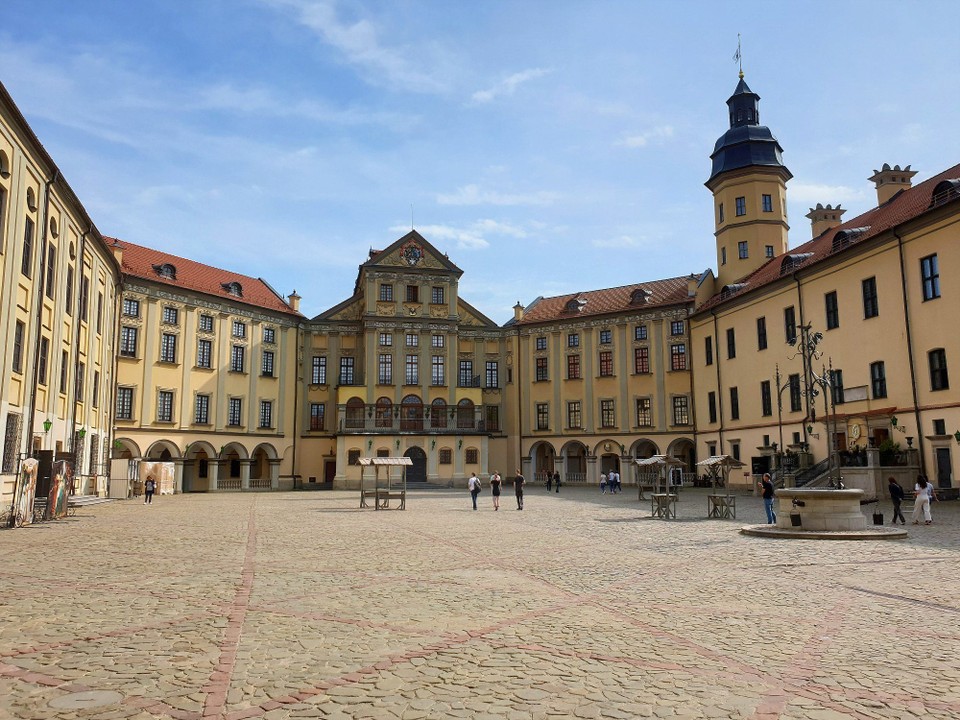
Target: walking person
896,495
767,486
549,481
924,495
473,484
603,483
518,487
613,480
495,489
149,488
556,479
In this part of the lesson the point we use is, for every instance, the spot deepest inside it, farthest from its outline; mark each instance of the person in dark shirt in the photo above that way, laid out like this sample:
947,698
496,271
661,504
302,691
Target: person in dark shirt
518,486
896,494
767,486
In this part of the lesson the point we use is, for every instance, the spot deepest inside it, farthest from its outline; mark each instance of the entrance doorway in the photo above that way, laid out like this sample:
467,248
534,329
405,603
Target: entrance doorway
944,470
418,471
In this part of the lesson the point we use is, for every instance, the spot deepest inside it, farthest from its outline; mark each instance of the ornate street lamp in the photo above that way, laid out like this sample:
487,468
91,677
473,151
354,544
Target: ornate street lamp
47,425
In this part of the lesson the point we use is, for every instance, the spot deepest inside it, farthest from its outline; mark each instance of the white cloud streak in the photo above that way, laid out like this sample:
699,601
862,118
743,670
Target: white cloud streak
508,85
657,135
475,195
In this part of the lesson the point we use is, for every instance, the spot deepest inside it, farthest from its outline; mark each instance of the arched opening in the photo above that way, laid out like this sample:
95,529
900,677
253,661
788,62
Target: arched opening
411,414
418,471
465,412
438,414
575,462
384,413
353,417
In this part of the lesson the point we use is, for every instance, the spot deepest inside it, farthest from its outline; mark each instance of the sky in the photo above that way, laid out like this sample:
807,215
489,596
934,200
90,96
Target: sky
547,146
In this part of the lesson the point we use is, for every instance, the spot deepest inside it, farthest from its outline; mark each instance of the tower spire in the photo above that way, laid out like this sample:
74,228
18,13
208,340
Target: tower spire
738,56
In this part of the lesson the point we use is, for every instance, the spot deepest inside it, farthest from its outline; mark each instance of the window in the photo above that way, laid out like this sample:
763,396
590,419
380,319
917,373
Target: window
766,400
413,293
938,369
493,374
168,348
239,329
574,414
266,364
939,427
386,339
573,340
68,293
720,212
412,370
644,413
346,371
641,360
18,347
541,369
165,406
734,403
930,276
64,371
201,410
681,410
608,417
266,414
768,251
708,350
678,357
790,325
437,375
743,251
78,381
735,450
27,260
99,313
385,370
573,367
436,295
676,327
436,341
318,374
794,382
606,337
466,373
171,316
51,267
640,332
871,307
731,343
204,353
84,297
128,341
766,202
42,360
124,403
723,256
606,363
492,413
741,206
878,379
471,456
832,310
712,406
269,336
234,411
353,457
386,292
837,386
543,416
316,415
446,456
413,340
206,323
761,333
541,343
237,358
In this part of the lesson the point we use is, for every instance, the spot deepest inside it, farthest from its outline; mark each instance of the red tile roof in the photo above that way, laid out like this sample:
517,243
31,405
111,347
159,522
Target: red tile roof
671,291
904,206
142,262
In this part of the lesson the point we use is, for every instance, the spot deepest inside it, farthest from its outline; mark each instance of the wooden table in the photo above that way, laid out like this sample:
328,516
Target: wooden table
723,507
663,505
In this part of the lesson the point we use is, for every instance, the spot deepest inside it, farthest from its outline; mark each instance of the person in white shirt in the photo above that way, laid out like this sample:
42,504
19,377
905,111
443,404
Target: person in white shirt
473,484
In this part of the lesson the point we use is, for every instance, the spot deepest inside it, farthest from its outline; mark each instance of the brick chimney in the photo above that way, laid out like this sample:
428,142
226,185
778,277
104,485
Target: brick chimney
293,300
518,311
823,218
890,181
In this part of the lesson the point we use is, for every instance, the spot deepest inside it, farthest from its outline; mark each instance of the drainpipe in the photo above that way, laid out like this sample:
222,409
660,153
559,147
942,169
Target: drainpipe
112,410
806,373
39,284
716,354
519,383
913,372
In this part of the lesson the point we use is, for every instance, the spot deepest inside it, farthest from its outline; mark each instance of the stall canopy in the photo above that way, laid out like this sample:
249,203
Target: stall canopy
660,464
381,492
718,467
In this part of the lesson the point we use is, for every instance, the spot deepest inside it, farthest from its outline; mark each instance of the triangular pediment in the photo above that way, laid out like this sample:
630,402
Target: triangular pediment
349,309
414,252
470,316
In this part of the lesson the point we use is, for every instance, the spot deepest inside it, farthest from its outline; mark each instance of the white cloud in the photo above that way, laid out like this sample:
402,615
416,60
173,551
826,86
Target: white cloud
475,195
833,194
469,238
360,44
622,242
508,85
657,135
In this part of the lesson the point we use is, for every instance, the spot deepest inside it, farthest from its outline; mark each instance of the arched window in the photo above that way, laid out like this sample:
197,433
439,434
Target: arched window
354,413
465,419
438,413
166,270
411,413
384,413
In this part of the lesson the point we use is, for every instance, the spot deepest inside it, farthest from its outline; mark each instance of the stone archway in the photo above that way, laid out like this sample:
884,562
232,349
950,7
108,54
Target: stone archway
418,471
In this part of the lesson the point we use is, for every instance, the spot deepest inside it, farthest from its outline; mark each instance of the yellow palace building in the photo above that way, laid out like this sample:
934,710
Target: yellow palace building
823,358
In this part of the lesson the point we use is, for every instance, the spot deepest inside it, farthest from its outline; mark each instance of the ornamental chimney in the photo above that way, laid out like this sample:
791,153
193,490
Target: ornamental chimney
890,181
293,300
824,218
518,311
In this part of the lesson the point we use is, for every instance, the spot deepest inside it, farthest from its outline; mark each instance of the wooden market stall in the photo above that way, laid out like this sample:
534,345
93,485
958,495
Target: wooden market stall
386,488
718,468
662,504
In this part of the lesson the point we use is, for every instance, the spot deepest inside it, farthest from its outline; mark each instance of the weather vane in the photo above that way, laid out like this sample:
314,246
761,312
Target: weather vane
738,57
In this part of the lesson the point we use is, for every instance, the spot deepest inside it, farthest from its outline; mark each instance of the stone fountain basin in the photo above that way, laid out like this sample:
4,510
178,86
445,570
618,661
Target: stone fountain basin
820,509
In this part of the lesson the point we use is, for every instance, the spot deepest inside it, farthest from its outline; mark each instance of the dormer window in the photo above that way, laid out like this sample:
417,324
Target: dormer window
640,296
233,288
944,192
166,270
575,305
845,237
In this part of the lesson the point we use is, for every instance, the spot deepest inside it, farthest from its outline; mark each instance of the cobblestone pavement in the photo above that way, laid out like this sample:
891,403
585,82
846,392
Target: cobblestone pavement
300,605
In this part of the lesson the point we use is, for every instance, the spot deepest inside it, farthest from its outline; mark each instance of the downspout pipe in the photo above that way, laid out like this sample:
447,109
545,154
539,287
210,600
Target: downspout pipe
913,370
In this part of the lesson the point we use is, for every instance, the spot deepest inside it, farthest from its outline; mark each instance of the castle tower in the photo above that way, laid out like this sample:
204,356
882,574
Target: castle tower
749,186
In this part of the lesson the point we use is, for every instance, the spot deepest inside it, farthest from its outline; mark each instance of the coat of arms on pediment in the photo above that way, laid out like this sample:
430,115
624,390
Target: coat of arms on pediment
411,253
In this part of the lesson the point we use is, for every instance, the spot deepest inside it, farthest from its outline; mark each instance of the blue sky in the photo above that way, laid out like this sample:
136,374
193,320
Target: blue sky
547,147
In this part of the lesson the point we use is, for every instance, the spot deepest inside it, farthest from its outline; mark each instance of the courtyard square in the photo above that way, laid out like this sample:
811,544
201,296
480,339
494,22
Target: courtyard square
301,605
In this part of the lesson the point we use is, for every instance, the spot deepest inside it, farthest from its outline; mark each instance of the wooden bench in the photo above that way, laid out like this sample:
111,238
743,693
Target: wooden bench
383,496
663,505
722,507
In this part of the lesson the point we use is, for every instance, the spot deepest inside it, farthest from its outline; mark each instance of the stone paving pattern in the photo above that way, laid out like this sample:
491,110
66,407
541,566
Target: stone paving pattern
300,605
